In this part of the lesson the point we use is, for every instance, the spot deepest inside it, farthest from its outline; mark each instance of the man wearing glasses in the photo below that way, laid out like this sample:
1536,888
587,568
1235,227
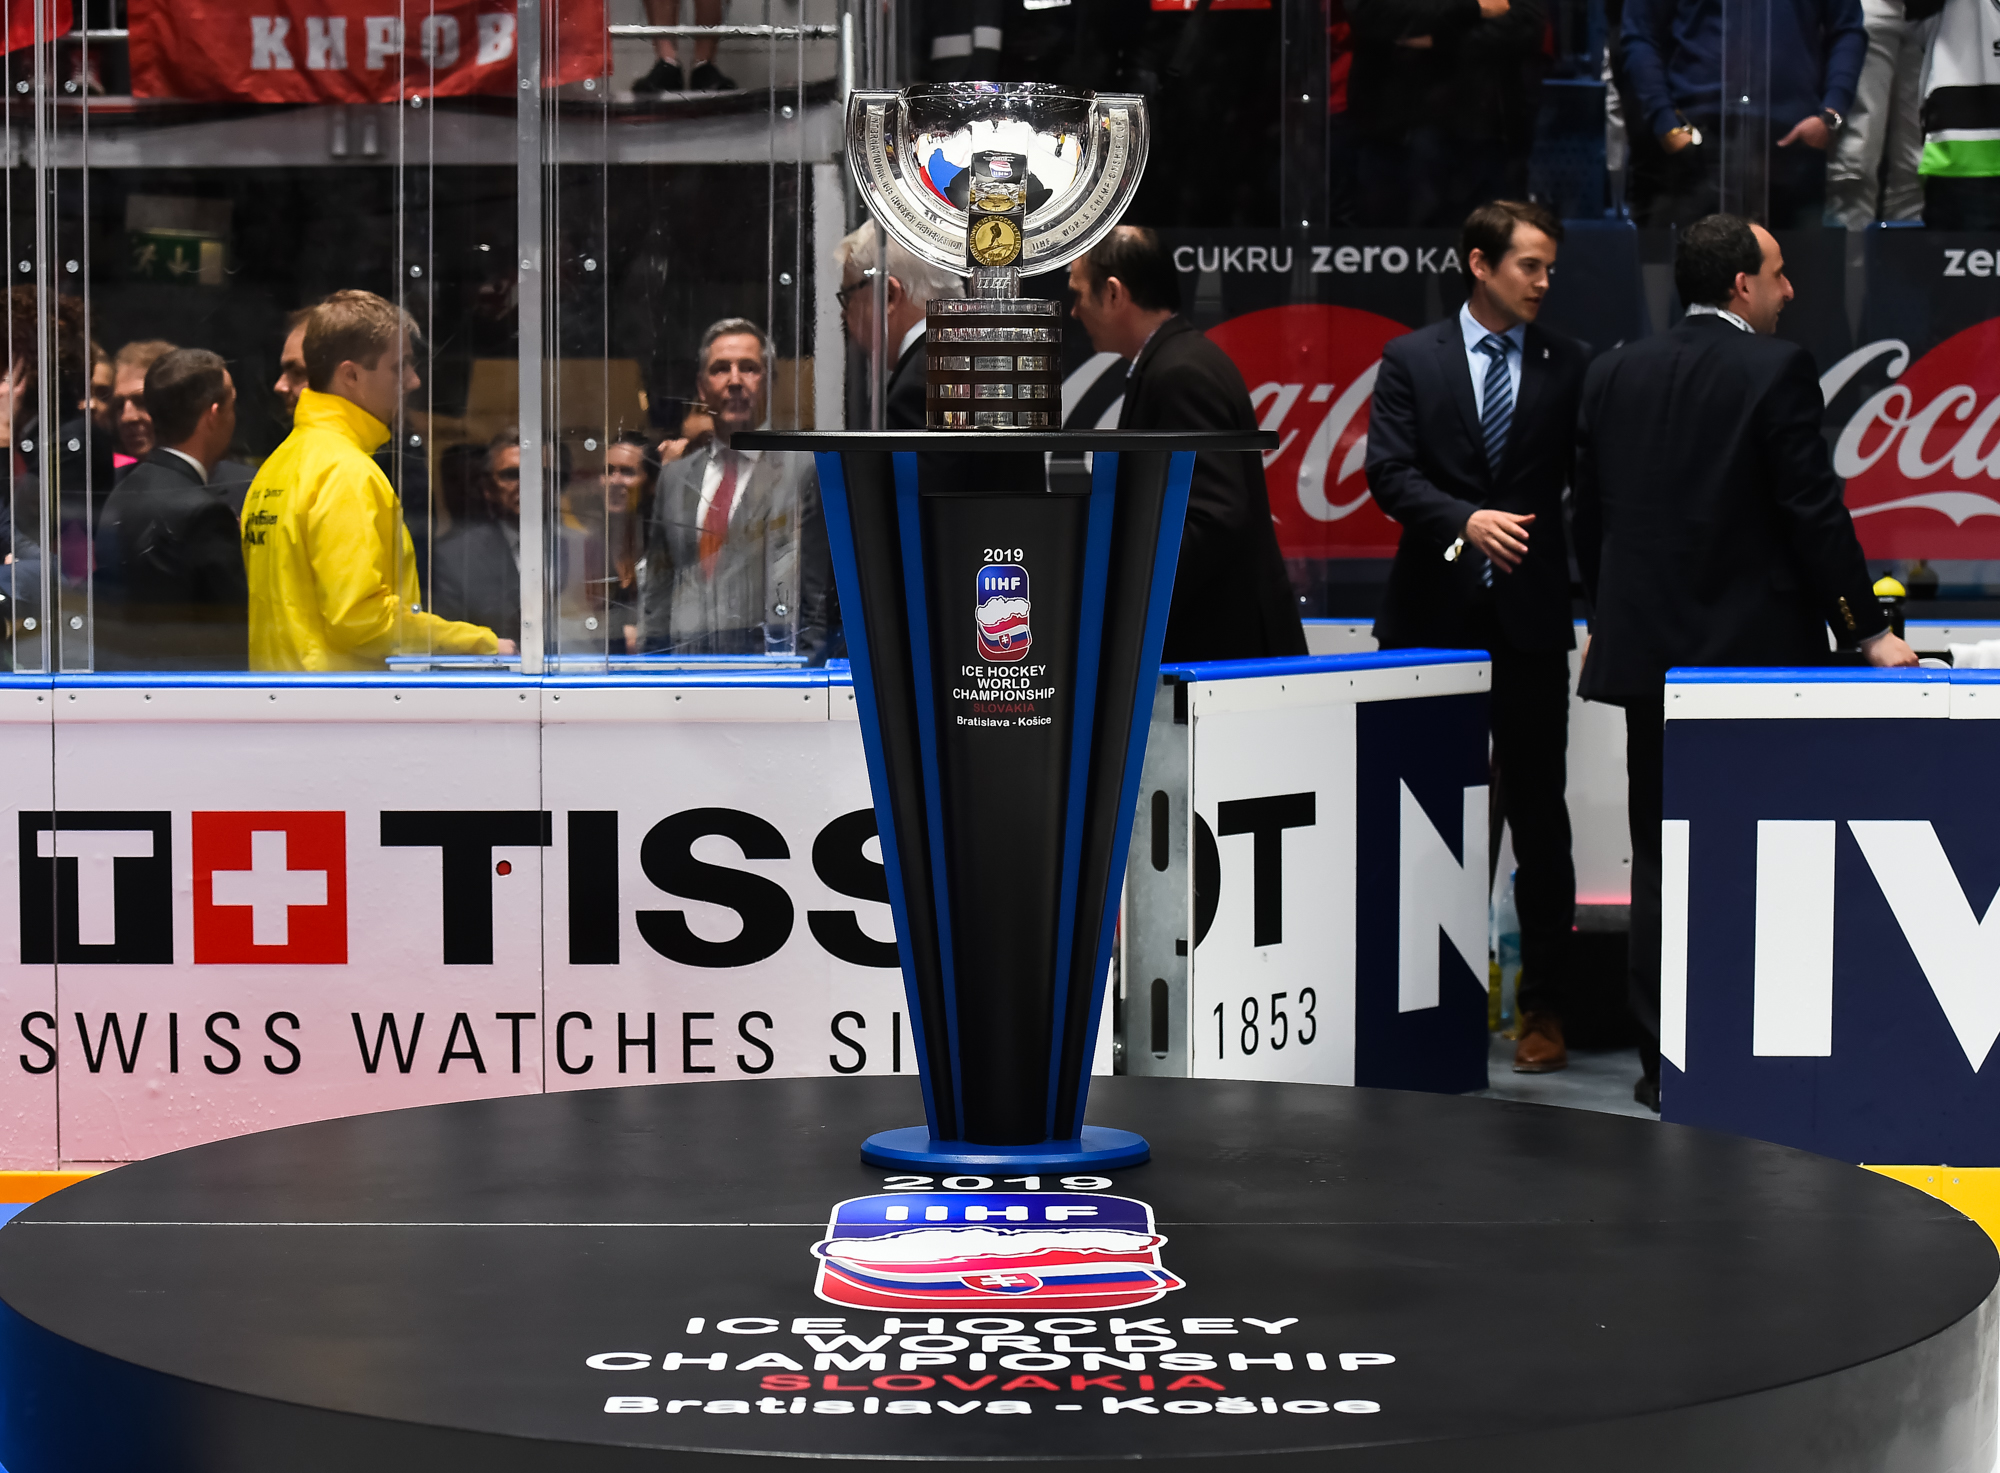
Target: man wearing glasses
911,285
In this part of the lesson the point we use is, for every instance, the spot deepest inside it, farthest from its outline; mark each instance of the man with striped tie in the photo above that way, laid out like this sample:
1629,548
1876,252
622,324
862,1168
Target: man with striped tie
1470,442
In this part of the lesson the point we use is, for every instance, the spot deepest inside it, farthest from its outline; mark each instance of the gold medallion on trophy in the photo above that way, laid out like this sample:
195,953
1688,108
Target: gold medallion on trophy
995,241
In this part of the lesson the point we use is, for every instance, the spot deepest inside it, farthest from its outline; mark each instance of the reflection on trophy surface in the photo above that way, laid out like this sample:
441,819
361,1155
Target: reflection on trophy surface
996,181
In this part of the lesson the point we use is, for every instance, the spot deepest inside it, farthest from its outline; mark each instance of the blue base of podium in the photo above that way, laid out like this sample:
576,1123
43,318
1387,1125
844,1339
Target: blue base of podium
1100,1146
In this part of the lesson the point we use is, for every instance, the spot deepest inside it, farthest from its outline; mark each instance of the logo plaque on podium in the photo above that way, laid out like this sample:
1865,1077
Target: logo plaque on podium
1004,629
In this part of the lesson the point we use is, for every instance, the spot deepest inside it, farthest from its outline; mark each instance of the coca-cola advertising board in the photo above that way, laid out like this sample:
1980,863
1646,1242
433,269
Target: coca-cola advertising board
1903,323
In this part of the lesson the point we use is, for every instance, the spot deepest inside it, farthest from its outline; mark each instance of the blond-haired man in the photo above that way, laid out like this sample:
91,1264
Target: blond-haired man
332,571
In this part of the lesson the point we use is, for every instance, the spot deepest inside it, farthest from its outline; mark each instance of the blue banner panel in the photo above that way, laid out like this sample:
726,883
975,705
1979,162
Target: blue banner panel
1435,750
1842,993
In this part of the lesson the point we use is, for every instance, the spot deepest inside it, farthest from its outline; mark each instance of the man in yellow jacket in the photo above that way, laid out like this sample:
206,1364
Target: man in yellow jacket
332,571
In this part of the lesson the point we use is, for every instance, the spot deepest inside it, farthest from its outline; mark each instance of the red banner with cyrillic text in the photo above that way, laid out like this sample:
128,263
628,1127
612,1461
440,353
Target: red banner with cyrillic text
349,50
57,19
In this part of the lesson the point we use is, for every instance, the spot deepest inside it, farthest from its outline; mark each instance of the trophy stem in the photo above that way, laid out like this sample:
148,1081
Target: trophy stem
1003,282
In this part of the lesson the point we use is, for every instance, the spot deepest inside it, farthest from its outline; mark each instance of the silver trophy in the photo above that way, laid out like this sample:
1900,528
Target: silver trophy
996,181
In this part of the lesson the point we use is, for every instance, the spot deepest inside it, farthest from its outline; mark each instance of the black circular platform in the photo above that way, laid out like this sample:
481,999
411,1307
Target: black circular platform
1348,1279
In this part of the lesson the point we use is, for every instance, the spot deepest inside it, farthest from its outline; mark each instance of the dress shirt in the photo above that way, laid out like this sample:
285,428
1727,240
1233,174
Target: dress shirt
711,480
1132,367
912,336
1478,360
199,469
1702,309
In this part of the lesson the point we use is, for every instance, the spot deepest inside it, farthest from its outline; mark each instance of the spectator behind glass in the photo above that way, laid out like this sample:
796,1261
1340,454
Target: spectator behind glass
476,566
630,478
97,404
332,572
1673,53
736,557
136,438
461,486
1961,160
1442,103
1871,170
79,472
170,589
21,575
666,75
292,363
697,432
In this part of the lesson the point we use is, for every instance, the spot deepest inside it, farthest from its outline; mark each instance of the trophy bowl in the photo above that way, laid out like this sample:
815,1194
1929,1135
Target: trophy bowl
996,181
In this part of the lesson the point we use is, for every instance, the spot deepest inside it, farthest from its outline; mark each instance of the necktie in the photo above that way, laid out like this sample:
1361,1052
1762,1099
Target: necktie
715,526
1496,416
1497,413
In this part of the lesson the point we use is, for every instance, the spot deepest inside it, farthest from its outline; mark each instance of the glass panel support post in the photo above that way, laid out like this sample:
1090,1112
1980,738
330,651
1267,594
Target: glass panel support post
537,464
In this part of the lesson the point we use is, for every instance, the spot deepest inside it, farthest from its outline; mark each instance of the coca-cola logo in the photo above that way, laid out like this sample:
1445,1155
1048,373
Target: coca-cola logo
1921,457
1311,371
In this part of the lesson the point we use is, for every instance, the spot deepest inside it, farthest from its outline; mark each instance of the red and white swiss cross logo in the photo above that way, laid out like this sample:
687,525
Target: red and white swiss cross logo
270,887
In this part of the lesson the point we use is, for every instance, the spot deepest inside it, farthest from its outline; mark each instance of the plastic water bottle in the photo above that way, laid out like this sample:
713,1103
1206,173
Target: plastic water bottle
1507,958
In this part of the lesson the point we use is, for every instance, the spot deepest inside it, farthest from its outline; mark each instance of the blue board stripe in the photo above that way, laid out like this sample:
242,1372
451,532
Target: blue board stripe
911,533
847,578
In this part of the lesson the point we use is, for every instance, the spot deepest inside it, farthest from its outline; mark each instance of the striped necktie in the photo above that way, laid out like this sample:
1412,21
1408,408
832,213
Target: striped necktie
1497,404
1496,415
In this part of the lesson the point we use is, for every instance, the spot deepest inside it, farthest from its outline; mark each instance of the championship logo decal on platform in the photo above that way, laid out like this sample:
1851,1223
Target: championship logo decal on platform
970,1250
1001,612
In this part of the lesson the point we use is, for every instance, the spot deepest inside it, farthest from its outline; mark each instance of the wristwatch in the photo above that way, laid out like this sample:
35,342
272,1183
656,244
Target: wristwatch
1833,120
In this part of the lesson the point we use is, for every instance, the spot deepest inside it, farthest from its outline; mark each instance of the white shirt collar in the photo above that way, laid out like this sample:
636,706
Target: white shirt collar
1133,366
199,469
1702,309
1476,333
910,338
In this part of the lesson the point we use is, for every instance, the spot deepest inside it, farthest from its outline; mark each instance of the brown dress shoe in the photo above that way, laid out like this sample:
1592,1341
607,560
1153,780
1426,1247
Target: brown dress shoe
1541,1049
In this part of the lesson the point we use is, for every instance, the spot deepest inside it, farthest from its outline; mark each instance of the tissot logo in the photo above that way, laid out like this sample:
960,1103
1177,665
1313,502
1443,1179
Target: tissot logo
97,887
270,887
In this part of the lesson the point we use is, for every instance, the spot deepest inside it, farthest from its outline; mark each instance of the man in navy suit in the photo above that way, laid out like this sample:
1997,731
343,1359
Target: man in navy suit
1710,529
1470,441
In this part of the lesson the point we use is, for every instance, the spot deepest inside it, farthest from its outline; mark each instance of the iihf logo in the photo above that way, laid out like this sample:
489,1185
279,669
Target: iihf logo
1001,612
969,1250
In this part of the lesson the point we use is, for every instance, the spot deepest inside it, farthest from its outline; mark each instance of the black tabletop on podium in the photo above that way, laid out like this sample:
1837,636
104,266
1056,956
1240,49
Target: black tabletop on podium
1353,1278
1033,441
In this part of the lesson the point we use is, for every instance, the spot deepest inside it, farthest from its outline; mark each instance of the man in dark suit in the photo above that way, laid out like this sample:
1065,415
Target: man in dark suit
1710,528
1232,597
1470,443
170,585
736,551
910,286
476,567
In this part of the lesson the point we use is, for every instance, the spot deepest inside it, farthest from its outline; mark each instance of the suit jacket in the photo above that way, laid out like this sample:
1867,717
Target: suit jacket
1709,523
773,579
476,576
171,593
1427,469
905,408
1232,597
